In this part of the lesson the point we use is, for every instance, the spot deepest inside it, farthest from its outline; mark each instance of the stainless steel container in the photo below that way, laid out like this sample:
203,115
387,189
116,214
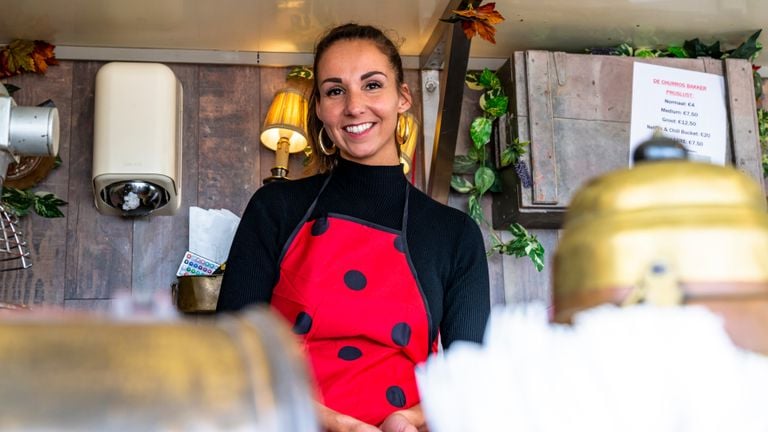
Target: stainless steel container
239,372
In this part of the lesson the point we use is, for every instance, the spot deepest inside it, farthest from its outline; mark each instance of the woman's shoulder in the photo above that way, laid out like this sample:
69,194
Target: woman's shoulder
425,206
293,188
291,193
441,224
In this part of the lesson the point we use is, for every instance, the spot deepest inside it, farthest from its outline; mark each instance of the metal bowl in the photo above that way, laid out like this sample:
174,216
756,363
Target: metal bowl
135,197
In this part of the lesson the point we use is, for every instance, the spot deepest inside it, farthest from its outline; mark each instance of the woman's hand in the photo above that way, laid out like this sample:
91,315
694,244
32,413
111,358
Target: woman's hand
407,420
334,421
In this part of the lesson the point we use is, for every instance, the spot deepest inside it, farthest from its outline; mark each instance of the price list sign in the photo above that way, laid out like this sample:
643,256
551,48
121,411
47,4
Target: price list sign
684,105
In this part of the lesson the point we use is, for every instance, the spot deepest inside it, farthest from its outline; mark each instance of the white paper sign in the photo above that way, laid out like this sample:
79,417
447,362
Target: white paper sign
685,105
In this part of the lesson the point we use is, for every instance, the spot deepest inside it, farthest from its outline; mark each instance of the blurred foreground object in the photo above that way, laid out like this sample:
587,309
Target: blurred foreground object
75,372
683,247
669,232
638,369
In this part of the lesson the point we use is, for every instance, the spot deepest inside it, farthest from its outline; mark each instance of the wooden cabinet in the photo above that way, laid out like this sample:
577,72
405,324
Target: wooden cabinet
575,110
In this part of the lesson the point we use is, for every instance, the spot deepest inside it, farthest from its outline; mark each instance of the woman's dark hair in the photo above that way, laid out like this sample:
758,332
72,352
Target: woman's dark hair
321,162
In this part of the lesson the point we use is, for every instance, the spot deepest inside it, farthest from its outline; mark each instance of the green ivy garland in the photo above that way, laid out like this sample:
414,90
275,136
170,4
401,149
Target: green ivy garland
484,177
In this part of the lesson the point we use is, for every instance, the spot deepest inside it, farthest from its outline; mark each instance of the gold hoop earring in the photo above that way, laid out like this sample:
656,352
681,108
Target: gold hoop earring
322,146
403,131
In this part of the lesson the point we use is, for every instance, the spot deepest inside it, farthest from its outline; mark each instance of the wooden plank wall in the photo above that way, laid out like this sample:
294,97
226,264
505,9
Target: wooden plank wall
82,261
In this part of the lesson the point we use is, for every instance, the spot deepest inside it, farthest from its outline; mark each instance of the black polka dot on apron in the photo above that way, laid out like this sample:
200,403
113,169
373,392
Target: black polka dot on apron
302,324
396,396
350,353
401,334
320,226
399,244
355,280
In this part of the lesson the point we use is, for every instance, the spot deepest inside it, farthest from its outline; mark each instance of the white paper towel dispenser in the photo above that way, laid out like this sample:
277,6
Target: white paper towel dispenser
137,139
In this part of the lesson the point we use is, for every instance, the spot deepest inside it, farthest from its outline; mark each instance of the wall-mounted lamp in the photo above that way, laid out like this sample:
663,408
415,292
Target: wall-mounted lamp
284,129
407,137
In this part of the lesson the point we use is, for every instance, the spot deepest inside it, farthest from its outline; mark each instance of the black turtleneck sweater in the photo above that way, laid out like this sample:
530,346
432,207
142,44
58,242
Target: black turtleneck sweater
445,245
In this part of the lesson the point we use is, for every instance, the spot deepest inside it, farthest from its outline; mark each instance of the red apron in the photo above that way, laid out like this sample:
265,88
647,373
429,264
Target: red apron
348,289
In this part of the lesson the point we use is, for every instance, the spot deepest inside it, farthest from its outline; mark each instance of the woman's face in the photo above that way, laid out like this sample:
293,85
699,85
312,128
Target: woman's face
359,101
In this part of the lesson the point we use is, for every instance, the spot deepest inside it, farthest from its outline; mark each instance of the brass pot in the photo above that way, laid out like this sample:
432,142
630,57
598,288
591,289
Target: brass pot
669,232
196,294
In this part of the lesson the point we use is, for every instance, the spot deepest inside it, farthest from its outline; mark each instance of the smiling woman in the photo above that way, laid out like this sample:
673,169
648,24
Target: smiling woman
359,106
366,268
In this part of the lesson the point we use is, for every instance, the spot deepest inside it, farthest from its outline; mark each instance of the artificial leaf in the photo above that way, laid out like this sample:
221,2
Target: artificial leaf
646,53
461,185
765,166
42,55
469,27
508,156
677,51
476,154
479,21
26,56
480,131
695,48
517,230
714,50
496,244
495,106
489,80
47,205
486,12
472,79
486,31
512,152
302,72
463,164
536,255
525,244
626,50
17,201
475,209
11,89
484,178
18,57
748,49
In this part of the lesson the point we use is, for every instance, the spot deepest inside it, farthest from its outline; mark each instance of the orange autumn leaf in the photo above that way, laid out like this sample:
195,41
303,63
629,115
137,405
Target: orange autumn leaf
43,56
26,56
486,12
486,31
480,21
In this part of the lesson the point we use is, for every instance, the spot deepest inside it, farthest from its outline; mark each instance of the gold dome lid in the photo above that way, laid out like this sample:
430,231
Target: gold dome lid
700,224
665,186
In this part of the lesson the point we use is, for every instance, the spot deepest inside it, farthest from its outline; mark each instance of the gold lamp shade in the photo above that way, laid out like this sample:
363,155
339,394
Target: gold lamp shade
407,137
284,129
